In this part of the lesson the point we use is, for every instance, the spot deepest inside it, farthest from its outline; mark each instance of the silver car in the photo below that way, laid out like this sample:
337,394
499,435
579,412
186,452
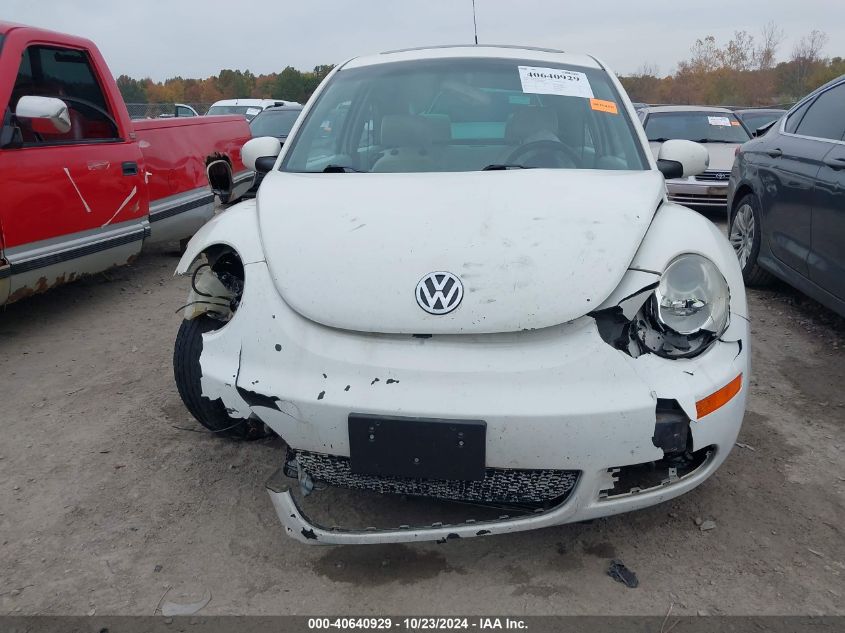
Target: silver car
718,129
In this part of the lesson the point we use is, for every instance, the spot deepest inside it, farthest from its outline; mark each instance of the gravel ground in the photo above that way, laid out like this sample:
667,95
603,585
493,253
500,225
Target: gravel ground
105,503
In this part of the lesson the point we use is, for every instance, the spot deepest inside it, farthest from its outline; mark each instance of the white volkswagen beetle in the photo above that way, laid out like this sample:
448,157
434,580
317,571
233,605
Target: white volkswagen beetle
470,286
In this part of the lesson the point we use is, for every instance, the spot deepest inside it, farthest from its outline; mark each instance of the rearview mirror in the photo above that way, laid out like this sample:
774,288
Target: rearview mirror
46,115
679,158
259,154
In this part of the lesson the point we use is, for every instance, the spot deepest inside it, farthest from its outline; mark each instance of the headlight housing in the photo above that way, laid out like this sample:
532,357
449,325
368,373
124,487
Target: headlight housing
689,309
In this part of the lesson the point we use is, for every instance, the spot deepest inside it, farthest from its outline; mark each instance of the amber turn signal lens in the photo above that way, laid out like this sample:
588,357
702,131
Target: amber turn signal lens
717,399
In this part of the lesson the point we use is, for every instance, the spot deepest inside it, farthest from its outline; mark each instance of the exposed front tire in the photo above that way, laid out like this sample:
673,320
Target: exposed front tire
186,370
745,234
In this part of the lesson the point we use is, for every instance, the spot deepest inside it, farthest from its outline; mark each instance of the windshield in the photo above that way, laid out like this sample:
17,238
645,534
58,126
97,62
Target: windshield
702,127
274,122
755,120
465,115
248,111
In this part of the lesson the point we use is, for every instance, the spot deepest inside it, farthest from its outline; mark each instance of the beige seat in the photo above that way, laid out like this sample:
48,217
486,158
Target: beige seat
530,124
407,141
441,127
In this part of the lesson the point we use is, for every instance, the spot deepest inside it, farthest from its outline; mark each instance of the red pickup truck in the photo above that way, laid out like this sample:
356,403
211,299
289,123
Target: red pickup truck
82,186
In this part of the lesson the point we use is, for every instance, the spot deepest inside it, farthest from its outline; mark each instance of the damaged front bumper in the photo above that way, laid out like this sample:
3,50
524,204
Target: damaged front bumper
560,398
584,504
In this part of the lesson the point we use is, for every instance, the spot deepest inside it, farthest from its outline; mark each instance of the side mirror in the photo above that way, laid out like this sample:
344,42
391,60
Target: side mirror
46,115
679,158
259,154
760,131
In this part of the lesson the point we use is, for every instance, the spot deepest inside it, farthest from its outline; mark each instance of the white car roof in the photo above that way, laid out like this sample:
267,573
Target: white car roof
685,108
260,103
536,55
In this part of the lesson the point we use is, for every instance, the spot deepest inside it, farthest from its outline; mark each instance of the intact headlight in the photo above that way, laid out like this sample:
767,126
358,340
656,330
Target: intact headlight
688,310
692,296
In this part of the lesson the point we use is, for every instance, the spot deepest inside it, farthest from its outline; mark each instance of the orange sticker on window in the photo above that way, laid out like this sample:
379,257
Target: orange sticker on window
736,123
604,106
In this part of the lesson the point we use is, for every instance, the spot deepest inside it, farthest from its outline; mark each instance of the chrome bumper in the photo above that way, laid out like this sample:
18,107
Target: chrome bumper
693,193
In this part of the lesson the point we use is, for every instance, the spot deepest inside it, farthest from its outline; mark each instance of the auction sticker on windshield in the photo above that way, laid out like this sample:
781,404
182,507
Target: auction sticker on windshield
604,106
722,121
554,81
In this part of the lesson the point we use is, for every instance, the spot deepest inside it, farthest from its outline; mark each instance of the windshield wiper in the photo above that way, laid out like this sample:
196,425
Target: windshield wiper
504,166
715,140
658,140
340,169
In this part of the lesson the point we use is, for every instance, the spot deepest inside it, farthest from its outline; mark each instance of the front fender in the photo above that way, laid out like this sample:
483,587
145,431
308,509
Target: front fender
676,230
236,227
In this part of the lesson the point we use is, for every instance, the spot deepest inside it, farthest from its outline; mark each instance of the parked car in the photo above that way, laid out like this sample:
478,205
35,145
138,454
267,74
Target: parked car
787,200
639,107
490,300
718,129
180,110
83,186
248,108
756,118
275,121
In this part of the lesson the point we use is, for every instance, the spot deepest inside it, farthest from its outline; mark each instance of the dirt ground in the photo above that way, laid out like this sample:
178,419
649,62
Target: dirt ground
105,503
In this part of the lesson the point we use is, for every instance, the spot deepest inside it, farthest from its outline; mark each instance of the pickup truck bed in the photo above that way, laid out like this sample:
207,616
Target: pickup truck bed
83,186
177,153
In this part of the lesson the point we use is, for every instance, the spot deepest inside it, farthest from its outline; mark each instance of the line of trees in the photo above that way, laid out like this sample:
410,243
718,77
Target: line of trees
290,84
743,71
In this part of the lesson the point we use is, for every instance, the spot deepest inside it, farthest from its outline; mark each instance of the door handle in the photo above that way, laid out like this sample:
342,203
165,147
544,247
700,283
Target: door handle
130,168
835,163
775,153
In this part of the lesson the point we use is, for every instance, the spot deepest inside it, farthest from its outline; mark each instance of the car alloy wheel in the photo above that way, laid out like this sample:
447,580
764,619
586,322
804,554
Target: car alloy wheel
742,234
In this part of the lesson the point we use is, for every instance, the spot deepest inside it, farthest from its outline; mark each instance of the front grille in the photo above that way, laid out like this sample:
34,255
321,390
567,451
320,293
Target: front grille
699,199
500,485
714,176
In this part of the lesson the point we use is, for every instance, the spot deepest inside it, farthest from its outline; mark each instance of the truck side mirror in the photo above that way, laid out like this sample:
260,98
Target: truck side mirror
46,115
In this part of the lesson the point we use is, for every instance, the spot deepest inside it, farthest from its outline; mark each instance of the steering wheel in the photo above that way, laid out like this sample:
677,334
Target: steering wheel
551,149
83,105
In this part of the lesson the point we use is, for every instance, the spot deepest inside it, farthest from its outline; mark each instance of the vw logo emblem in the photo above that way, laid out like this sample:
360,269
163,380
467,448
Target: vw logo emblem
439,292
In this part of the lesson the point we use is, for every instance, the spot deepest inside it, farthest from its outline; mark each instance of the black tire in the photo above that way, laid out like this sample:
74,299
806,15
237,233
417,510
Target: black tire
186,370
752,273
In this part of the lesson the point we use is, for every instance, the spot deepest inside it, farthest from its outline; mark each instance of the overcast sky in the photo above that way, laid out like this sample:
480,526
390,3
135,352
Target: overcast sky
196,38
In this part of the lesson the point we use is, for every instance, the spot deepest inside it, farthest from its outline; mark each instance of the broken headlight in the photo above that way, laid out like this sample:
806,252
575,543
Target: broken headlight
688,310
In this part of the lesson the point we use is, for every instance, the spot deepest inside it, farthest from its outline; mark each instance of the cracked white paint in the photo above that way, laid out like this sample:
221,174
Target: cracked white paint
220,374
98,165
122,205
78,192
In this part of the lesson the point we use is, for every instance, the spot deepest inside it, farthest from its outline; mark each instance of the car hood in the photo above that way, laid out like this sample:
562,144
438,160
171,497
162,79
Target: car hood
721,154
532,248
